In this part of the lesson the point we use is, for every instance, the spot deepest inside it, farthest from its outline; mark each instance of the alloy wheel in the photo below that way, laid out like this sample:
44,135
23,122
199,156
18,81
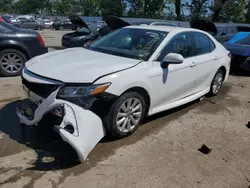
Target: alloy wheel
129,115
217,83
11,62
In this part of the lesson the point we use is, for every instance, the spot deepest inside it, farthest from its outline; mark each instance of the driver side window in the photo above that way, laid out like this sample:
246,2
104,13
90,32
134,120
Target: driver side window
180,44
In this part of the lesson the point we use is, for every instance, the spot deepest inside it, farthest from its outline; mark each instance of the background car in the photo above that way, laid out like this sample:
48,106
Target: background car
16,47
2,19
86,33
62,25
29,24
48,23
239,46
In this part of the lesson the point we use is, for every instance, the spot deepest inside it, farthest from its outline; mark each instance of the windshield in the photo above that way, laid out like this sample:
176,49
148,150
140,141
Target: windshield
130,42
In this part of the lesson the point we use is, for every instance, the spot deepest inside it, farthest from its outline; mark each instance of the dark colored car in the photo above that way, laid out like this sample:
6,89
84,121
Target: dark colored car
16,47
90,32
239,46
87,33
63,24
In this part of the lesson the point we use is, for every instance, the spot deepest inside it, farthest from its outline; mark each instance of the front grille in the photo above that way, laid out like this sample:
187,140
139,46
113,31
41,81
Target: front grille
43,90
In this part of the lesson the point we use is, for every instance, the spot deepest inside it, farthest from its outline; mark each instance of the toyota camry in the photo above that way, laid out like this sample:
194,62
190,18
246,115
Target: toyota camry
108,87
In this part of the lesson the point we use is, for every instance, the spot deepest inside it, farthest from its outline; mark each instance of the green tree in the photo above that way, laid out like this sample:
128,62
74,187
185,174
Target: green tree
146,8
247,16
198,8
216,9
112,7
233,11
6,6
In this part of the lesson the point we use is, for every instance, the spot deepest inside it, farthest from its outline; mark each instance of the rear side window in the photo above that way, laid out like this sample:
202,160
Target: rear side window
180,44
203,44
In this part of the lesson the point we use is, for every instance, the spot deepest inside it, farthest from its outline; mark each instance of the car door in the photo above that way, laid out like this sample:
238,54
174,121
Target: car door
33,24
177,81
206,57
24,23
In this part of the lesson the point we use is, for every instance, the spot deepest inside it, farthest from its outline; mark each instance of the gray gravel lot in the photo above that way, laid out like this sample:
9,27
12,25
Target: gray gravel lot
162,153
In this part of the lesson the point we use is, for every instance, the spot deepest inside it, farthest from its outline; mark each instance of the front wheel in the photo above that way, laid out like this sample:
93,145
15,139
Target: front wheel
125,115
216,83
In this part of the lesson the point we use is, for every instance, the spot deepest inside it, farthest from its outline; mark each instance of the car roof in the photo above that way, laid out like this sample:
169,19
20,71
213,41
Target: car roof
164,28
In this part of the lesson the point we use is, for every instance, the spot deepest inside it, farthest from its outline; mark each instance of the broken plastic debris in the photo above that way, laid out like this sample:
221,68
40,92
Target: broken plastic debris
202,98
204,149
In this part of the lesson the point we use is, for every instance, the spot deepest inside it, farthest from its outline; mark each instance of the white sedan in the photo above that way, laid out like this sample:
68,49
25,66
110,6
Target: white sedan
108,87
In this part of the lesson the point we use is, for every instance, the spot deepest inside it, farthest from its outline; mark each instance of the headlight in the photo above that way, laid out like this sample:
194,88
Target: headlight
78,38
71,92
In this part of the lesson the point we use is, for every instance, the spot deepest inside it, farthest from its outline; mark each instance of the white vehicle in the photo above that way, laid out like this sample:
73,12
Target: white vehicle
164,23
48,23
108,87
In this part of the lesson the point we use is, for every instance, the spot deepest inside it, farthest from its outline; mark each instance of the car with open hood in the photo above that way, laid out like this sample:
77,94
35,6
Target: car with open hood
108,87
90,32
84,34
239,46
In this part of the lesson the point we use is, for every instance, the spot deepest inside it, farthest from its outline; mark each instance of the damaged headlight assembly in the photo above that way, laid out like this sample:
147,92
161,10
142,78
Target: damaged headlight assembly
83,96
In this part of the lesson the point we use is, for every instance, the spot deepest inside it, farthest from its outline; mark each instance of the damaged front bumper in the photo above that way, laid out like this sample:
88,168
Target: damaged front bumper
81,128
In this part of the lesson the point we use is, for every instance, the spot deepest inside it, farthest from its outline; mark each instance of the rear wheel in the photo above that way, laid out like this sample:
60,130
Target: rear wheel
125,115
217,83
61,28
11,62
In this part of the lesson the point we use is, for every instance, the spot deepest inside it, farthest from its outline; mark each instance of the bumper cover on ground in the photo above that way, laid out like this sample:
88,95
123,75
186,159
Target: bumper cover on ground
88,129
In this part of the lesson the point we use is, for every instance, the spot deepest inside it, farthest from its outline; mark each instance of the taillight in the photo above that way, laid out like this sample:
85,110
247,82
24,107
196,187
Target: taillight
229,55
40,40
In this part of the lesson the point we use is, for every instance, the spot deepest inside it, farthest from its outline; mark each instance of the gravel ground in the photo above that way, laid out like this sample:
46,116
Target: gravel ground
162,153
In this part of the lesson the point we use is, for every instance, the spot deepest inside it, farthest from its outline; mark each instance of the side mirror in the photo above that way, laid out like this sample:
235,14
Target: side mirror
172,58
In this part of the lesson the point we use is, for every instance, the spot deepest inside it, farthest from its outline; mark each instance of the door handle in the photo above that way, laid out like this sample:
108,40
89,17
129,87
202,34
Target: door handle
216,58
193,64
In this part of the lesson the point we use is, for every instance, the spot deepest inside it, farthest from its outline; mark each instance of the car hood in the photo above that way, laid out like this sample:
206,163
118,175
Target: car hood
204,25
76,20
78,65
115,23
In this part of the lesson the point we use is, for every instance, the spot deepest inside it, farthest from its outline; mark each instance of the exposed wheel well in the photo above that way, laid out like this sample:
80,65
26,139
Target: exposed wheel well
224,71
143,93
15,48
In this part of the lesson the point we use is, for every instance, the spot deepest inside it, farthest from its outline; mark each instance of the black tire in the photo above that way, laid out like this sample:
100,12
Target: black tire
61,28
110,124
38,27
22,56
212,92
